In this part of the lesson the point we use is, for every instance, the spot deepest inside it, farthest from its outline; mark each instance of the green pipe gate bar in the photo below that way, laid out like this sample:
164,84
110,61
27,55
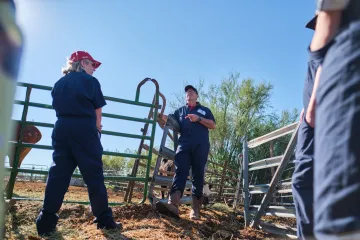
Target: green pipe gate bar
23,122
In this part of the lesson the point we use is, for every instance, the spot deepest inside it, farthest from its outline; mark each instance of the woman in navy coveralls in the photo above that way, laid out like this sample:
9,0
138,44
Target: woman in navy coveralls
78,102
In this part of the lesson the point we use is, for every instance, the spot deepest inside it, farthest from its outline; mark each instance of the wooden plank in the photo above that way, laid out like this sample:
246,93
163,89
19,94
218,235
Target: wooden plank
139,185
222,179
273,135
233,170
221,175
146,147
238,185
217,164
214,184
216,197
144,165
267,197
214,173
230,178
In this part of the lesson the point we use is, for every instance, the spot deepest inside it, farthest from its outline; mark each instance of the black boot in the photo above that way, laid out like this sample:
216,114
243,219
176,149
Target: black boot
46,223
111,224
106,221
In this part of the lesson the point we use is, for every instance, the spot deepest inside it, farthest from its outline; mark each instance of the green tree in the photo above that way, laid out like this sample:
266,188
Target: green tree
236,104
114,164
117,165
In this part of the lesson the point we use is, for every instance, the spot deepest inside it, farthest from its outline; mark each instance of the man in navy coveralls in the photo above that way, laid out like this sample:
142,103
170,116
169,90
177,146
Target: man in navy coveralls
336,116
303,176
195,121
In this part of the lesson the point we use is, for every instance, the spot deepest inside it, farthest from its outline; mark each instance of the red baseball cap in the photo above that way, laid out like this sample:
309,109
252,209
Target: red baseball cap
81,55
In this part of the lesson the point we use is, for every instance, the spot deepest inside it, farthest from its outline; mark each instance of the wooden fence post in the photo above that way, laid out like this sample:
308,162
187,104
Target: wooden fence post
222,179
238,185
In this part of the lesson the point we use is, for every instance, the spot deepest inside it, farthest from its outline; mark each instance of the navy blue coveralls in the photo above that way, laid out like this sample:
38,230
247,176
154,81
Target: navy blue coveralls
303,176
76,142
337,134
193,149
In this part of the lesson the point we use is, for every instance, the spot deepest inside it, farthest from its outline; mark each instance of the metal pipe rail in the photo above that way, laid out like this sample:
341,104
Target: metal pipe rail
276,186
273,135
265,163
155,106
284,187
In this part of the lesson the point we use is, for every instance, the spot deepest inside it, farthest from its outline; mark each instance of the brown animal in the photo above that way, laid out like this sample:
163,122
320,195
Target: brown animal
166,166
31,134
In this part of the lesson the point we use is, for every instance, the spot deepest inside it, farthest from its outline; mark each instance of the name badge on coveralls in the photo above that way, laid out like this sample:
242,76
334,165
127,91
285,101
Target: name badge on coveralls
201,111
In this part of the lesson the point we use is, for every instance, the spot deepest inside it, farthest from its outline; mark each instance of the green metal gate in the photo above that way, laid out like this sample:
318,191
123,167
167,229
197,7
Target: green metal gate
23,122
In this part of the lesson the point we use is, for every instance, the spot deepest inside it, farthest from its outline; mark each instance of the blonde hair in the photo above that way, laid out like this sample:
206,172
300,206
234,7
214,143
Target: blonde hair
72,67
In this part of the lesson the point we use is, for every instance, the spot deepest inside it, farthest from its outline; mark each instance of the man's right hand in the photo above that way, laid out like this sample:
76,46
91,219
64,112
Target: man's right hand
301,116
310,117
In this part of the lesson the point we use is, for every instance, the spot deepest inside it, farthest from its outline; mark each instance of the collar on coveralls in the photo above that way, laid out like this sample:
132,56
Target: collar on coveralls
192,107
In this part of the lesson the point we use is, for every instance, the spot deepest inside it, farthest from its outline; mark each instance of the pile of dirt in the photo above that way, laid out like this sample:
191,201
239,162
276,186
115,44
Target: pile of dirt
139,222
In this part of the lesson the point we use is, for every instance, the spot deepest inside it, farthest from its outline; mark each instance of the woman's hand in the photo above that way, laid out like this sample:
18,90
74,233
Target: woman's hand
99,127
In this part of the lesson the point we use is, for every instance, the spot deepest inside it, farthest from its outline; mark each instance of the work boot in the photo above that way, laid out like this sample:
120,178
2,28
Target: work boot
171,208
106,221
196,205
46,223
111,224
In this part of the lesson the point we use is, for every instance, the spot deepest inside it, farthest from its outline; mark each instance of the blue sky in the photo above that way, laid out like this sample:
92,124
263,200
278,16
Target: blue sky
171,41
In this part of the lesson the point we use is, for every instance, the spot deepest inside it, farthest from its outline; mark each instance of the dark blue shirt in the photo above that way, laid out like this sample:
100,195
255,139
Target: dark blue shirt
193,132
315,60
77,95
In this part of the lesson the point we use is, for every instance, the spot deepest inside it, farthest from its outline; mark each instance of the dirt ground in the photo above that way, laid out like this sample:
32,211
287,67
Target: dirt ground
139,221
36,190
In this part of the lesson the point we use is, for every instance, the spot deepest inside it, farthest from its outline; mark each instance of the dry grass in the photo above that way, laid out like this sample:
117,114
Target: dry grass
139,222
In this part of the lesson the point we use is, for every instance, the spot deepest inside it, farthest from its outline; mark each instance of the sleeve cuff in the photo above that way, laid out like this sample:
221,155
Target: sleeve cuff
332,5
319,55
99,104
